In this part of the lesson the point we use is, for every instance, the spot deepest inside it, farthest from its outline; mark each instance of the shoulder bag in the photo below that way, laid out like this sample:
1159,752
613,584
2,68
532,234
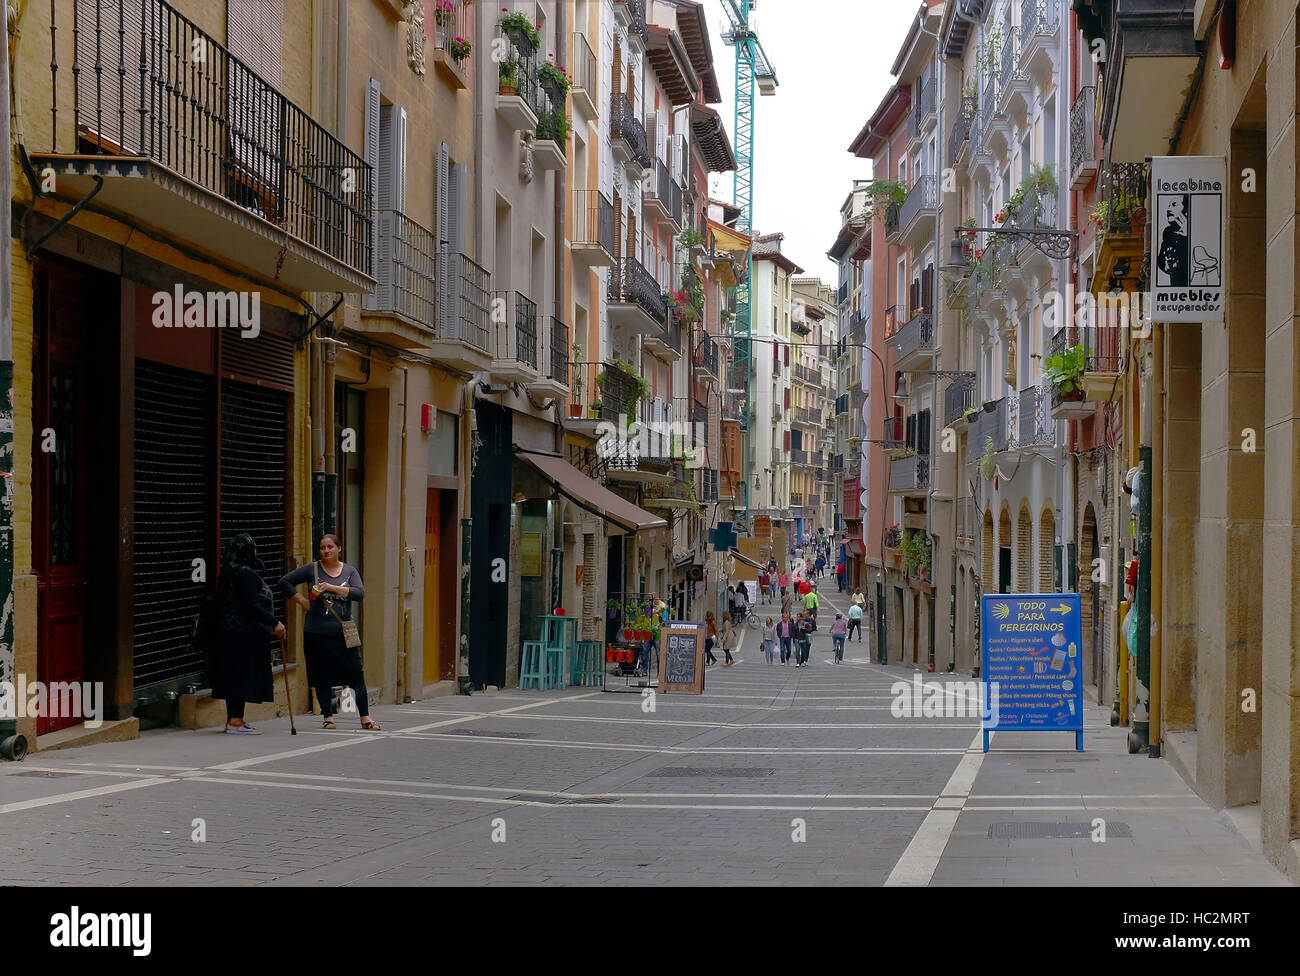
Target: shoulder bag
351,632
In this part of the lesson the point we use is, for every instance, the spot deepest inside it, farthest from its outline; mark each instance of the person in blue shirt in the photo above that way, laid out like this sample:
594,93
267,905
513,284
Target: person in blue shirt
855,622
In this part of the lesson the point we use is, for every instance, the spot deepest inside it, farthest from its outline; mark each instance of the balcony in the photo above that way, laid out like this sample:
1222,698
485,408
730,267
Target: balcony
554,380
891,223
464,339
997,127
401,308
667,346
858,329
807,416
894,438
514,357
586,76
914,342
630,15
841,404
1014,87
909,474
518,92
1040,25
202,151
601,392
815,459
635,299
678,495
627,136
1036,426
657,200
959,134
998,425
1122,214
807,374
957,399
646,457
592,241
798,456
453,33
705,360
1083,138
923,111
916,218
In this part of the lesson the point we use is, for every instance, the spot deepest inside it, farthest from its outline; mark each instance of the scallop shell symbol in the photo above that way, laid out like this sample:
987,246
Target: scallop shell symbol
1001,611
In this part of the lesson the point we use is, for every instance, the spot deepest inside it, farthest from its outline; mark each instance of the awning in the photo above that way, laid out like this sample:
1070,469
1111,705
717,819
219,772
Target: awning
591,495
856,548
740,556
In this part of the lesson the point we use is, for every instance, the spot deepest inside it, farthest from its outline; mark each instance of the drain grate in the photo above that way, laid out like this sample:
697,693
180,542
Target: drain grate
492,735
45,774
1061,830
721,772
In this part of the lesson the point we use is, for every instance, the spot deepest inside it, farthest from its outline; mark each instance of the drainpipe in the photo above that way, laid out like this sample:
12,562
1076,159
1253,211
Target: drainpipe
466,524
1157,530
403,615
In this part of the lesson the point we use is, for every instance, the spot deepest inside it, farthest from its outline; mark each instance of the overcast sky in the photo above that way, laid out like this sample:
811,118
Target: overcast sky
832,60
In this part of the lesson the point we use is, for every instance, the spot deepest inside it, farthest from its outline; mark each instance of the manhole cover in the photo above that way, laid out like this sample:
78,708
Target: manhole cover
44,774
492,735
1039,830
721,772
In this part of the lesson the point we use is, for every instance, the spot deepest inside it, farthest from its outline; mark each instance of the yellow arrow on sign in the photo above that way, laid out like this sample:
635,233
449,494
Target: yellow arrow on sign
1063,608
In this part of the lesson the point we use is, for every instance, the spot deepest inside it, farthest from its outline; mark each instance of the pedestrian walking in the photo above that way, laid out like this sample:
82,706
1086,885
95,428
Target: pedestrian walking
730,638
787,602
806,628
784,580
855,621
331,644
821,565
786,634
839,631
764,579
839,573
769,640
810,603
710,638
245,623
859,598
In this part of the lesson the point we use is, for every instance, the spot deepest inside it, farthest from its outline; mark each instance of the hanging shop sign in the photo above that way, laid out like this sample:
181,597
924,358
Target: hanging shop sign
1188,198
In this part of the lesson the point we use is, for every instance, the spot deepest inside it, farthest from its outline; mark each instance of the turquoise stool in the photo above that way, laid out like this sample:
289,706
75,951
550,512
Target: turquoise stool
582,662
530,669
556,659
593,662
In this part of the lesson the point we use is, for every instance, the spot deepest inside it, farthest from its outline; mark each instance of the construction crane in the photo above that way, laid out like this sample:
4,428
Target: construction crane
753,70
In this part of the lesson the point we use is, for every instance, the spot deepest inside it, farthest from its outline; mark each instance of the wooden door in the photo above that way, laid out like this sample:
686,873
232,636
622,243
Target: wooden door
66,309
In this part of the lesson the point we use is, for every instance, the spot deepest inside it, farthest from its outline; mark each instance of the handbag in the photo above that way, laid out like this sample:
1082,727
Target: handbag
351,632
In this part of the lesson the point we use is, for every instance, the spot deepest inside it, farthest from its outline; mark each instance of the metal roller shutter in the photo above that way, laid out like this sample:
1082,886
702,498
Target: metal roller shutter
172,500
254,461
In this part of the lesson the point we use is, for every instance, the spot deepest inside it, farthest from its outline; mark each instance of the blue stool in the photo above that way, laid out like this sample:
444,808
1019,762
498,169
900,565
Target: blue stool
530,668
554,676
593,663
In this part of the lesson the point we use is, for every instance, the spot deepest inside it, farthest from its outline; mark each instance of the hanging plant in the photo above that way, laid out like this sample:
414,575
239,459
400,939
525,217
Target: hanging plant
988,463
460,48
555,79
521,30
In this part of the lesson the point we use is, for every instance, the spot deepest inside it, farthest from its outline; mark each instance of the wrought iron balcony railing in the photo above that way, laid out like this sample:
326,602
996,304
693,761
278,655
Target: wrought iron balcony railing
454,31
516,335
924,195
138,90
807,374
1038,17
922,107
1083,135
918,333
706,356
559,351
958,398
593,220
585,68
464,300
910,473
1036,426
625,126
1010,68
407,270
631,283
636,10
807,415
891,220
1123,189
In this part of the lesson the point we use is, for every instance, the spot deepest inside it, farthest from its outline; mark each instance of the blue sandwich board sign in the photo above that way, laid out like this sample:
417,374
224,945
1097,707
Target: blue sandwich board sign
1031,651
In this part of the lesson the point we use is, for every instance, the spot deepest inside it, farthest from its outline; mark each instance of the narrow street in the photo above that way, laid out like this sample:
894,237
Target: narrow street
583,787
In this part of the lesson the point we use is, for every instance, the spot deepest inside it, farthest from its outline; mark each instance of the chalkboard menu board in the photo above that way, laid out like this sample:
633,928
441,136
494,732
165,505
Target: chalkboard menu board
683,658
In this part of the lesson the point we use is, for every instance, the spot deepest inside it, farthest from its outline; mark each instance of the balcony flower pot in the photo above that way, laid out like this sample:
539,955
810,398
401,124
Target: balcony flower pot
990,406
575,410
627,634
595,411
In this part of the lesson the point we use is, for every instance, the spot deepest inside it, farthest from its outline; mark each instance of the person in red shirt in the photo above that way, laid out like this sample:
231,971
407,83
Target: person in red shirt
784,580
804,587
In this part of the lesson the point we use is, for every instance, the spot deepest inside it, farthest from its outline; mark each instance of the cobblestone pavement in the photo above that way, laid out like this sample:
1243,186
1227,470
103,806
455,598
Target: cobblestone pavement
774,775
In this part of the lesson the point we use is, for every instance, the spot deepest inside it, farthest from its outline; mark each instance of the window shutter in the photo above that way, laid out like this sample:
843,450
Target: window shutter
372,160
787,440
254,35
392,158
787,398
100,93
787,355
589,586
449,258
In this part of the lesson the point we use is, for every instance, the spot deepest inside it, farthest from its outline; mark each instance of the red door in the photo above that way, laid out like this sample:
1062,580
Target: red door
65,309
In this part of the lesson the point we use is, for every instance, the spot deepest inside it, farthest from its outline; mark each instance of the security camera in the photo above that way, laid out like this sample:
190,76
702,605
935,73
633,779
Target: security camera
490,389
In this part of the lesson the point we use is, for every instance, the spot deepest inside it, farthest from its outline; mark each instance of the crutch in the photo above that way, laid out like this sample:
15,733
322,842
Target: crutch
288,698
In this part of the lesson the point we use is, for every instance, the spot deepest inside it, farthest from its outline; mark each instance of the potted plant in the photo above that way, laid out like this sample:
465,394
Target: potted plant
614,608
508,74
970,414
1064,372
989,406
690,238
888,192
460,48
555,80
443,11
595,410
524,33
988,463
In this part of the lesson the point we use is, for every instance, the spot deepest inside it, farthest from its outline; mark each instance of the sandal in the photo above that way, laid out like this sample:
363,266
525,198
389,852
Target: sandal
371,726
329,725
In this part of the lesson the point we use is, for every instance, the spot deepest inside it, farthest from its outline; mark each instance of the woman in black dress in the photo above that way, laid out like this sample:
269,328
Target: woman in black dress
330,662
247,622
